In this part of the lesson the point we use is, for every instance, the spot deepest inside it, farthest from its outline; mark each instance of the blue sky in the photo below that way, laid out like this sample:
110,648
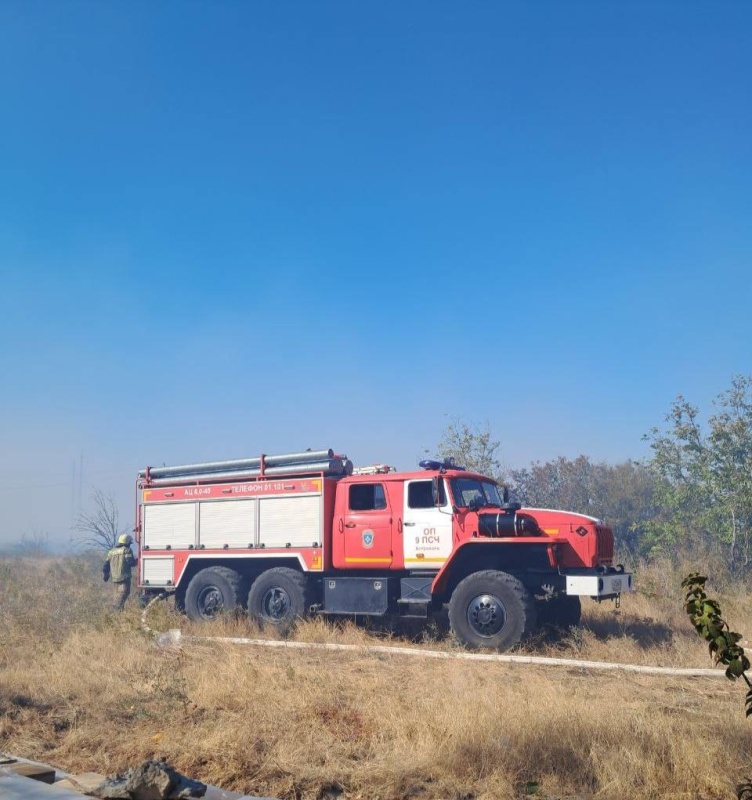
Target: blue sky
234,227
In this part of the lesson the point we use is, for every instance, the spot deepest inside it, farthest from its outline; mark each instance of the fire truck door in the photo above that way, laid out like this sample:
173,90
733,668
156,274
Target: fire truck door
368,527
428,527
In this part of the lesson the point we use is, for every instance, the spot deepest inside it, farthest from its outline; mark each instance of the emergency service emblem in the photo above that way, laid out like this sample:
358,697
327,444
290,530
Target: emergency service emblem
367,538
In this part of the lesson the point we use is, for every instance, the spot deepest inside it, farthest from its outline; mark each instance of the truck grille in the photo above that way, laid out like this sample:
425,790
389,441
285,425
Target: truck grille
604,549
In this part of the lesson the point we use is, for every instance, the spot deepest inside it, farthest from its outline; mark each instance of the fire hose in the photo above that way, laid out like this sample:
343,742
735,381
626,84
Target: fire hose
175,638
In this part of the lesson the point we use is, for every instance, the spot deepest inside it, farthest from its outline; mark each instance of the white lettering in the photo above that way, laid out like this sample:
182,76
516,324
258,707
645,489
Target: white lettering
195,491
258,488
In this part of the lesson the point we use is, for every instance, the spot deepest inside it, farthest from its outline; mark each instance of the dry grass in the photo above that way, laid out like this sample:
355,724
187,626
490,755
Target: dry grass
87,690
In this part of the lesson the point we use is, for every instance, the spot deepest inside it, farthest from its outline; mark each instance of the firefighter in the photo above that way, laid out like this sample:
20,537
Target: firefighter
118,565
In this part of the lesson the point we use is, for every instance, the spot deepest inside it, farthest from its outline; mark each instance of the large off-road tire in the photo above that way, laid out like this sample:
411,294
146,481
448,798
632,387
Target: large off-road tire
561,612
278,597
212,591
491,609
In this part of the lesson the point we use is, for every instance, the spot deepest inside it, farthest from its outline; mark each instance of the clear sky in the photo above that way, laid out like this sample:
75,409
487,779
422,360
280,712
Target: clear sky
235,227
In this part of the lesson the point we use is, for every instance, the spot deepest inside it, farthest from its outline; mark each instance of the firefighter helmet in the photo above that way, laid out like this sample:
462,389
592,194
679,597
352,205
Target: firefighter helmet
125,539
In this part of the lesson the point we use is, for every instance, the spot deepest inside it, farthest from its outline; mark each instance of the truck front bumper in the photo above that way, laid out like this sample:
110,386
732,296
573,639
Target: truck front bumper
609,584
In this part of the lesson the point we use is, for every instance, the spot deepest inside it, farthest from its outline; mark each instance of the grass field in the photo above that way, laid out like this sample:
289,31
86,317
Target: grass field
87,690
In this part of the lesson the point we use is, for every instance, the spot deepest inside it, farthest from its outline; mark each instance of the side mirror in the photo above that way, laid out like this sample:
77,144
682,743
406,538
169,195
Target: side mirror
435,490
505,494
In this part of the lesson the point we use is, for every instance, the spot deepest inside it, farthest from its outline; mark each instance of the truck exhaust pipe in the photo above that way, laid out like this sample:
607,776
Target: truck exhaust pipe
507,524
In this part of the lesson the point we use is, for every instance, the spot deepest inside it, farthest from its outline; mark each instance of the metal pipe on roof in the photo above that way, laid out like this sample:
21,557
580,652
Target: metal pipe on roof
306,457
299,458
330,467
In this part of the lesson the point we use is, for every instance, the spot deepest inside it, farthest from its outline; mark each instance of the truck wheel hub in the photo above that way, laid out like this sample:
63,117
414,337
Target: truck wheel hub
210,602
276,603
486,615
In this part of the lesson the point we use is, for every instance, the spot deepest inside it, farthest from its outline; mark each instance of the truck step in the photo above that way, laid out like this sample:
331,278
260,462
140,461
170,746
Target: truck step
416,608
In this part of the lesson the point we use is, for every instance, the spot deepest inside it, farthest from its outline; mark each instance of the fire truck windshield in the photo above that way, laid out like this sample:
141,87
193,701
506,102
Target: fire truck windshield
468,490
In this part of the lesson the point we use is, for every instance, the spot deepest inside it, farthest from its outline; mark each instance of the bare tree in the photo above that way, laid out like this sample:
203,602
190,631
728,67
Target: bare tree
100,526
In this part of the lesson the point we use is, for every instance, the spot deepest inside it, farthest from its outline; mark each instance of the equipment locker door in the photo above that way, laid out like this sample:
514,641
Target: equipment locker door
428,527
367,527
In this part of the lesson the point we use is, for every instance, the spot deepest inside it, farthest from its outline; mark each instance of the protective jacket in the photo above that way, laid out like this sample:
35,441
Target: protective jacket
121,561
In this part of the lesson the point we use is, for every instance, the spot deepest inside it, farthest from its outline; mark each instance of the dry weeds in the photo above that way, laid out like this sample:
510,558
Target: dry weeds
85,689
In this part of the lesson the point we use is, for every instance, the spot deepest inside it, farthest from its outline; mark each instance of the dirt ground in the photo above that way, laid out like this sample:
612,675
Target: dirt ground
88,690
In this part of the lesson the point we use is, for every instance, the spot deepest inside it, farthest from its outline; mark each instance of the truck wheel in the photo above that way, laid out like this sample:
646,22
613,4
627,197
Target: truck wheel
212,591
563,611
491,609
277,598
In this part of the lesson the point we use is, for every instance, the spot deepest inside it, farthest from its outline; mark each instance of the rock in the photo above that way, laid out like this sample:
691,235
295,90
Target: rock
152,780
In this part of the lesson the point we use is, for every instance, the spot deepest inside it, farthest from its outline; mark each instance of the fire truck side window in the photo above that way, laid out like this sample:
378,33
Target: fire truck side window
420,494
367,497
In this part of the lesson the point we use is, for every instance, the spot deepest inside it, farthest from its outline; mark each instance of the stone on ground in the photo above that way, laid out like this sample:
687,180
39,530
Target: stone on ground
152,780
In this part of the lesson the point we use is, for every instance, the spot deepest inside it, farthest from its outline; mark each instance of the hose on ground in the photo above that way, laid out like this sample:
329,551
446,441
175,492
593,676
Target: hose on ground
174,637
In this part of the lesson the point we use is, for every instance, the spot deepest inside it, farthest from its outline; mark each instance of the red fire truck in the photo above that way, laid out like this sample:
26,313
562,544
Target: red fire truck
304,533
